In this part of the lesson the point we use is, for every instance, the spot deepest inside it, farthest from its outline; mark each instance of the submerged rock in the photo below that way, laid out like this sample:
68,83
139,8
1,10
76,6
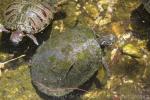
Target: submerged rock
131,50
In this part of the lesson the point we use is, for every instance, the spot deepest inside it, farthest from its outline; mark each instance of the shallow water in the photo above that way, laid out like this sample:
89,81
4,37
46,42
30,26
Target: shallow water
128,58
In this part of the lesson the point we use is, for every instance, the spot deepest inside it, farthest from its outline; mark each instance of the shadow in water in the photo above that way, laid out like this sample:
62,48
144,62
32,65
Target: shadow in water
76,94
59,15
26,46
140,22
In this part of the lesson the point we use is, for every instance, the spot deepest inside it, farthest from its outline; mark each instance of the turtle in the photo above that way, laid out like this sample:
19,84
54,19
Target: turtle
67,60
27,17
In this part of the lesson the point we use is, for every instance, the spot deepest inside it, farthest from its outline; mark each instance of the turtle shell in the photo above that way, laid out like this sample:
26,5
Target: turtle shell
65,61
29,17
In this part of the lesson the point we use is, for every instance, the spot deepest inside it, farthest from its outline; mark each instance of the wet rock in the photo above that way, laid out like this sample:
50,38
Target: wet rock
131,50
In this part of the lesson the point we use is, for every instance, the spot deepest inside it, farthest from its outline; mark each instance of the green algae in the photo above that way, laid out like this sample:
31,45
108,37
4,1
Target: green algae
52,58
16,84
82,56
132,50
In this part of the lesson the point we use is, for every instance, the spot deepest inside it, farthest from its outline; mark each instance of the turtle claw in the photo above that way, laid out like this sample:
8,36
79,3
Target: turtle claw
32,37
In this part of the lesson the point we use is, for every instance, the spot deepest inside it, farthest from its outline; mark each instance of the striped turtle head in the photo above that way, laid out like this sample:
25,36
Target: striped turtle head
16,37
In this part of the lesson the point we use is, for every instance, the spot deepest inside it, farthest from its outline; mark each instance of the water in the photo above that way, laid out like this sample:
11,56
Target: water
128,58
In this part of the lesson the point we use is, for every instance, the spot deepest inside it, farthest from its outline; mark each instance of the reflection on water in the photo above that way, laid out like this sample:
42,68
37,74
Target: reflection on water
128,58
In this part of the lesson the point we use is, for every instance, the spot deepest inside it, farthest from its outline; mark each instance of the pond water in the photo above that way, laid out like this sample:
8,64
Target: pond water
128,58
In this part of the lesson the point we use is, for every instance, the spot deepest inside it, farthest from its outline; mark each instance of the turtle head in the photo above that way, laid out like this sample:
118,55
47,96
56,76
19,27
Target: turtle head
16,37
106,40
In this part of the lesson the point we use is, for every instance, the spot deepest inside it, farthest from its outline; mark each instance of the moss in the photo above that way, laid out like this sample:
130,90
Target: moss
82,55
4,56
91,10
16,84
132,50
64,65
52,59
72,13
67,49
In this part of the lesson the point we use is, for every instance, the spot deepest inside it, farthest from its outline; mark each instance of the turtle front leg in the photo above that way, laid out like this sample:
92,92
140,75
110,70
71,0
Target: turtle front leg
33,38
106,66
106,41
3,29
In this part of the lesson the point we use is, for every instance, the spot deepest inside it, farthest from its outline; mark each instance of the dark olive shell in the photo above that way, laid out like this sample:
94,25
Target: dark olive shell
30,17
65,62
